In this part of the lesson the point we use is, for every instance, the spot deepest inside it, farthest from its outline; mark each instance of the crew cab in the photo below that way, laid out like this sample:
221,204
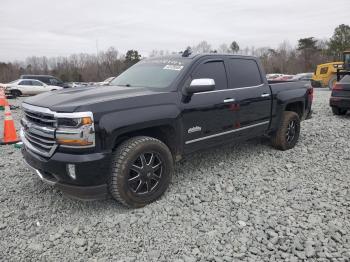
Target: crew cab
123,139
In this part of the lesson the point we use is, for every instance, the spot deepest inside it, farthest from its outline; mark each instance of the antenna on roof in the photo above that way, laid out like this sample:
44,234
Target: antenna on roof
187,52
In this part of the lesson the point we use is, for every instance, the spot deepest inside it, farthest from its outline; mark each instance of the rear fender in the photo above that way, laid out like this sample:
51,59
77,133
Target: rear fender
285,98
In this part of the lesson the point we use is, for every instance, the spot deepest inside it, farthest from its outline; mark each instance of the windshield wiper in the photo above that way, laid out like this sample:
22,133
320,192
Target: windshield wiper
127,85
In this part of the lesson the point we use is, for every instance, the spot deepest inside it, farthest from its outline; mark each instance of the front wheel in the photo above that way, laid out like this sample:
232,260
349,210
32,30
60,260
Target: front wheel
141,171
16,93
338,111
288,132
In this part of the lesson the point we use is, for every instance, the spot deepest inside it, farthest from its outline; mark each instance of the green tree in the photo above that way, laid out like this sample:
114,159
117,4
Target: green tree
132,57
308,48
340,41
234,47
308,43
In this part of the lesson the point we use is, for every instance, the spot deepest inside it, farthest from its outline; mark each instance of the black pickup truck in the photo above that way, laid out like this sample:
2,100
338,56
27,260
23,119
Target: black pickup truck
123,139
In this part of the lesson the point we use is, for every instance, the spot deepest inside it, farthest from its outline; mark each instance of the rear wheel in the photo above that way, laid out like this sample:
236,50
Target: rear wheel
288,132
338,111
141,171
16,93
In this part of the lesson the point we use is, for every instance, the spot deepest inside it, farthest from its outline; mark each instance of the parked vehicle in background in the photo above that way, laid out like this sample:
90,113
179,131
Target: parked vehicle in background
123,138
106,82
303,77
47,79
273,76
326,75
340,97
28,87
284,78
77,84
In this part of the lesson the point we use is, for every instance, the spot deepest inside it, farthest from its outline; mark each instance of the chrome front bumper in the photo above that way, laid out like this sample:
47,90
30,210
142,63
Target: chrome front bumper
41,175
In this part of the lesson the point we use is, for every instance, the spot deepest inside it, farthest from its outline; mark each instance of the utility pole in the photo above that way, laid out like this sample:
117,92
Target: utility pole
98,64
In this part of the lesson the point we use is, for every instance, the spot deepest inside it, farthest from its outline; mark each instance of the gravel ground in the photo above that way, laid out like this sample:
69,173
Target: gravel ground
245,202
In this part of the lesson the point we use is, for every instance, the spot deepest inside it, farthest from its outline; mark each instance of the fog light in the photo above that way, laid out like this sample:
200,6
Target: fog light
71,171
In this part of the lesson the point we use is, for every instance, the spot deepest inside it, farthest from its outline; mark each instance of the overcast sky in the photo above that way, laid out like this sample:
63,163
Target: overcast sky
52,28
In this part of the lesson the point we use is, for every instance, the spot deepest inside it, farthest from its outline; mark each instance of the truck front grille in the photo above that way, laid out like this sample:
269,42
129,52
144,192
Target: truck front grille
38,130
40,119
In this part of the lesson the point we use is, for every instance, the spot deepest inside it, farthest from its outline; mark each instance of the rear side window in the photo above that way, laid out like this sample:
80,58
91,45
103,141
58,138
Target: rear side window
345,79
54,81
244,73
44,79
324,70
36,83
214,70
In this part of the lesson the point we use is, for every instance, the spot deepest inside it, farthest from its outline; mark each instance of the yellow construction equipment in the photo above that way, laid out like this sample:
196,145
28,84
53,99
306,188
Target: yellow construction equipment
326,75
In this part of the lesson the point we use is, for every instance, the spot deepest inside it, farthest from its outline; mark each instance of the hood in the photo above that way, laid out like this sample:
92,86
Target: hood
81,98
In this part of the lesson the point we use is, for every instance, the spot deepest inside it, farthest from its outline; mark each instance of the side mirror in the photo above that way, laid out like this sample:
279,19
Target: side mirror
200,85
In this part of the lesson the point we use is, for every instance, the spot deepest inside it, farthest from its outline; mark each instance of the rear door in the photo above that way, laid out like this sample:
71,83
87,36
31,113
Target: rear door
252,96
207,116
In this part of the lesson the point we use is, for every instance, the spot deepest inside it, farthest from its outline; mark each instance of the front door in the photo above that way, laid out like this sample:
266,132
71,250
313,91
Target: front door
39,87
208,115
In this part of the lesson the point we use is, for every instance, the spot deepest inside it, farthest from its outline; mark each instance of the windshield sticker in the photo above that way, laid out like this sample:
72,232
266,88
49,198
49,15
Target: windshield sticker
173,67
161,61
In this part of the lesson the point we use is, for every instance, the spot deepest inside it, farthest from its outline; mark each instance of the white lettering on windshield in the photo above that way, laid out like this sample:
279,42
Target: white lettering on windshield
173,67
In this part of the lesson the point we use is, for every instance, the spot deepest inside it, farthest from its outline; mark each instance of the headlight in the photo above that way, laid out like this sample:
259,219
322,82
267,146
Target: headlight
74,122
75,130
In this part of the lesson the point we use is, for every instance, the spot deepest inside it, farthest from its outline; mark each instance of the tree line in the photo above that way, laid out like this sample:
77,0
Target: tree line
95,67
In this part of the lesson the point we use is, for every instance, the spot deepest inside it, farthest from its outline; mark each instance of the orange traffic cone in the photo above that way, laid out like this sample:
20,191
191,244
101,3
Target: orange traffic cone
2,99
10,136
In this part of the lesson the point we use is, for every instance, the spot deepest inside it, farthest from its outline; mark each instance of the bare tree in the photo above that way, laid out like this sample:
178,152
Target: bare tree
202,47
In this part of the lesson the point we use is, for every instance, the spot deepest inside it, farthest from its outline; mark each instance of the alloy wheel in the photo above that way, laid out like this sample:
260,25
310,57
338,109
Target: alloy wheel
145,173
291,131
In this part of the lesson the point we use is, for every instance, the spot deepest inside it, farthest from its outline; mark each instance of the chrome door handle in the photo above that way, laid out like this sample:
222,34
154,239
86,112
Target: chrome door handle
265,95
229,100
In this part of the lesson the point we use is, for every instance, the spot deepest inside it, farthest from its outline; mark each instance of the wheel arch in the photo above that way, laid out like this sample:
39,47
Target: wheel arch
165,133
297,107
16,90
160,122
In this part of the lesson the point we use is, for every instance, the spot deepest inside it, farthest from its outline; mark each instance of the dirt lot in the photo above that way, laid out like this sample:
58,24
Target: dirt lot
245,202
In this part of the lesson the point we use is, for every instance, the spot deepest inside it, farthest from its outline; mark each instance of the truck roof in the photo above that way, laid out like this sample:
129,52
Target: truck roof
193,56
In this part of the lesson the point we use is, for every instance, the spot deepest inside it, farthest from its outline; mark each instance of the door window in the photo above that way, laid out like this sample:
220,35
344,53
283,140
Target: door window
324,70
37,83
25,83
244,73
214,70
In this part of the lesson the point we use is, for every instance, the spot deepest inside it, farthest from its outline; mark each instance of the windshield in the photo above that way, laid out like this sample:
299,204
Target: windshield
153,73
345,79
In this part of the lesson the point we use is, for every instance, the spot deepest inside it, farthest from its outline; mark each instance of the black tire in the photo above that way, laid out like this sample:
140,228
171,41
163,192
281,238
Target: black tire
288,132
130,169
16,93
338,111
